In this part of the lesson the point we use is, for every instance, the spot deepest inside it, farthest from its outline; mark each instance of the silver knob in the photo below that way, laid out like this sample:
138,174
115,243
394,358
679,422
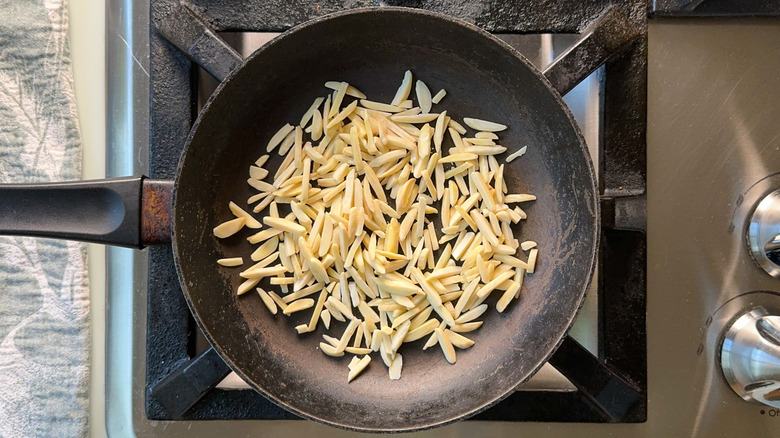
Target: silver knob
764,234
750,357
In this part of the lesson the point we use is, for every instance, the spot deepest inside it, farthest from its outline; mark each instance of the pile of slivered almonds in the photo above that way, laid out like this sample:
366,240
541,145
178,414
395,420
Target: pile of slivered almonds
361,239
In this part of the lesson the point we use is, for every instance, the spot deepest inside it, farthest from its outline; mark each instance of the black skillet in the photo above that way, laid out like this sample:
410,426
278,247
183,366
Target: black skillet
370,48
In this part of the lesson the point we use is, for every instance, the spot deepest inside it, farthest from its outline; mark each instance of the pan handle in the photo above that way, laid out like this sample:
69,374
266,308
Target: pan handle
130,211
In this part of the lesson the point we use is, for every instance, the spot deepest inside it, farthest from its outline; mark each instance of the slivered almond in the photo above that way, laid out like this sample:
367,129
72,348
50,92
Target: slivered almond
325,317
507,296
417,118
459,157
347,335
484,227
432,340
261,186
284,225
422,331
511,261
380,107
317,125
341,307
387,158
471,314
439,130
342,115
229,228
421,317
423,96
338,97
278,137
481,141
483,125
403,91
458,340
439,96
467,327
247,285
262,160
330,350
232,261
485,150
395,367
457,170
532,255
446,345
397,287
268,301
251,222
288,142
358,350
259,273
297,306
487,135
492,284
310,112
262,236
509,199
519,153
409,112
257,172
398,336
457,127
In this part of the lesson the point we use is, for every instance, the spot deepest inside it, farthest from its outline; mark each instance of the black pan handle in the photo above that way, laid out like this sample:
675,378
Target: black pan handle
100,211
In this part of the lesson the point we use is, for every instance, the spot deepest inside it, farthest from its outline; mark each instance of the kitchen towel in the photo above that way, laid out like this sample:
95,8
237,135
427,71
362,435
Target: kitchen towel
44,295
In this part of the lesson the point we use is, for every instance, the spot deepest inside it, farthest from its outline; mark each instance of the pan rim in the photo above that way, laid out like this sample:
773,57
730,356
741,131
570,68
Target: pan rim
592,256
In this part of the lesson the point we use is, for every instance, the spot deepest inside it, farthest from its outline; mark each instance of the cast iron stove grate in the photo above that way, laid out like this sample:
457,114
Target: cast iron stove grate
611,387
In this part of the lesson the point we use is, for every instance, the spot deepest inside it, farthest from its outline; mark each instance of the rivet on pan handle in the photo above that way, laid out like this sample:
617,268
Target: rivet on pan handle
606,36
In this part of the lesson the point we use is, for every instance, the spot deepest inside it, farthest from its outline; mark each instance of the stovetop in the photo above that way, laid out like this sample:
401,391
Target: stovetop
184,32
162,336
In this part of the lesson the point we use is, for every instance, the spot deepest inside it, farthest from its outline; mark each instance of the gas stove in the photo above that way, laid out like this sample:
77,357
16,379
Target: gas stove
631,363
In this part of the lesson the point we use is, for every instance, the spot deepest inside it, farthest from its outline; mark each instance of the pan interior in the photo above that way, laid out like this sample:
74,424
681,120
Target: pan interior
371,50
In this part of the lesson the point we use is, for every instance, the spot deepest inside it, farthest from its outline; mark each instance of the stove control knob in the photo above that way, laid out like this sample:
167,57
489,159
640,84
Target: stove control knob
750,357
764,234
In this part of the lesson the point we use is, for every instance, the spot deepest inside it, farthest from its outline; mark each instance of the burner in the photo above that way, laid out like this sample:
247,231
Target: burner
611,387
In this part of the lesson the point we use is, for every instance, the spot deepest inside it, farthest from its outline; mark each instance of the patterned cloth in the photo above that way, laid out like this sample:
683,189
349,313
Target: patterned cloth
44,295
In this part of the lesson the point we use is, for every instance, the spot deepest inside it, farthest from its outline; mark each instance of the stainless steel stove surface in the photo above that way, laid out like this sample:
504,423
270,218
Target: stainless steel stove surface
712,152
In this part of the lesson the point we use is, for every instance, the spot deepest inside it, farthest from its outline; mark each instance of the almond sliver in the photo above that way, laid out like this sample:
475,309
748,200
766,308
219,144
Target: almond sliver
483,125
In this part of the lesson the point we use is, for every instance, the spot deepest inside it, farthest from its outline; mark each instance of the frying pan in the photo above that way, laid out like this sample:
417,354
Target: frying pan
369,48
